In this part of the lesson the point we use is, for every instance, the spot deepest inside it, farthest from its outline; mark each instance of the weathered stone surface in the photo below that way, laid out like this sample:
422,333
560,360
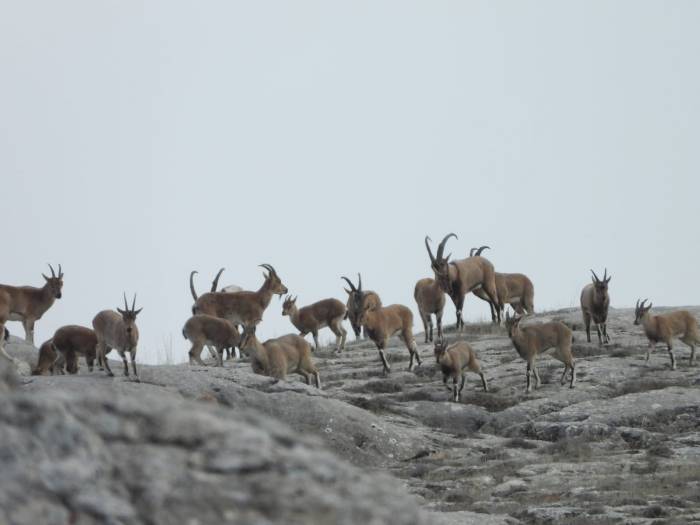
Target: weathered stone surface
617,448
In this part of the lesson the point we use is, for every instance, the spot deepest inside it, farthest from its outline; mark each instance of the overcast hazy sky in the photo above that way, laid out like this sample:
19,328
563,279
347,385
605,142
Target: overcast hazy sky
139,142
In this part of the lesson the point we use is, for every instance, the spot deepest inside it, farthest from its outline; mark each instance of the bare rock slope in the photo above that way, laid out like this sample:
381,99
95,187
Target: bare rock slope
621,447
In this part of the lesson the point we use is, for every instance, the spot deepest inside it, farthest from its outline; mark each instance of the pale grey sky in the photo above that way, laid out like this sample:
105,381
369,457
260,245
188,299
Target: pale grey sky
139,141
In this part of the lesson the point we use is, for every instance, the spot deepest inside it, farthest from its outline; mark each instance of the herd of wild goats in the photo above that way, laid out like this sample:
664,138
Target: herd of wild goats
217,316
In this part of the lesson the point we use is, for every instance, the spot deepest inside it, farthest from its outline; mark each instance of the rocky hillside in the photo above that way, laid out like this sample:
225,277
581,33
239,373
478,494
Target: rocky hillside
210,445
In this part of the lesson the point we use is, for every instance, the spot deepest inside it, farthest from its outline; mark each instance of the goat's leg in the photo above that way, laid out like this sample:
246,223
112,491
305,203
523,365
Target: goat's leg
670,354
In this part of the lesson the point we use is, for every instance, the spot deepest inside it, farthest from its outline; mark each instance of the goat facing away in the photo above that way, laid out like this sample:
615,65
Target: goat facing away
430,299
203,329
371,299
242,308
118,331
458,278
595,303
453,361
72,341
310,319
380,323
531,341
663,328
27,303
278,357
49,362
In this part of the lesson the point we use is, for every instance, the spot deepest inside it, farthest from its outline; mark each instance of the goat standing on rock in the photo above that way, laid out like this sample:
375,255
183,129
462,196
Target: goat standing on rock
117,331
311,318
595,303
453,360
663,328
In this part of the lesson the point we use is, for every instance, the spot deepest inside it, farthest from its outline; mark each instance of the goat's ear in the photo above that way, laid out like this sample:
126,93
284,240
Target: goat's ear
47,279
137,312
649,307
347,291
122,312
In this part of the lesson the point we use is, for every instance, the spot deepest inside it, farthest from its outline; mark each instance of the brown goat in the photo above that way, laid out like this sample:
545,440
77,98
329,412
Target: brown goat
73,341
371,299
241,308
460,277
49,362
203,330
664,327
381,323
595,303
531,341
28,304
281,356
430,298
311,318
118,331
454,360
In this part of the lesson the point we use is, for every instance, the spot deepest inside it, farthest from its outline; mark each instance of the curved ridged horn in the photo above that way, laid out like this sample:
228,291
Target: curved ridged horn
441,246
215,282
352,286
471,252
60,271
359,282
595,276
53,274
194,294
268,267
432,257
481,249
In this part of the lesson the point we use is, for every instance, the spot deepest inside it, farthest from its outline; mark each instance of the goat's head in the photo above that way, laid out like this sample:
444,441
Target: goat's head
512,323
439,348
55,282
272,280
640,310
289,305
129,320
601,285
357,300
441,264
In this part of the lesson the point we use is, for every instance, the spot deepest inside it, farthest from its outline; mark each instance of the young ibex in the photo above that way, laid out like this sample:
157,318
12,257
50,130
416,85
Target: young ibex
380,323
203,330
430,298
353,315
72,341
117,331
27,303
595,303
453,361
533,340
4,337
459,278
664,327
278,357
49,362
310,319
241,308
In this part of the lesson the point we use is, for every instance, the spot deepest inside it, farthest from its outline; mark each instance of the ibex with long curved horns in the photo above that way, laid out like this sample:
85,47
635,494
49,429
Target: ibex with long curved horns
595,303
117,331
27,303
458,278
242,308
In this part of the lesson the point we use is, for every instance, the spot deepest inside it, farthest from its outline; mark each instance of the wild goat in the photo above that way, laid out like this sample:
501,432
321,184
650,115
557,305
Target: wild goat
227,289
664,327
530,341
430,298
117,331
281,356
453,361
27,303
595,303
241,308
380,323
49,361
72,341
463,276
310,319
4,337
370,298
203,330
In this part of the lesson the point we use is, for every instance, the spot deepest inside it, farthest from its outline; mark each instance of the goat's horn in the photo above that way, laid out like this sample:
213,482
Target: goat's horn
352,286
53,274
215,282
441,247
